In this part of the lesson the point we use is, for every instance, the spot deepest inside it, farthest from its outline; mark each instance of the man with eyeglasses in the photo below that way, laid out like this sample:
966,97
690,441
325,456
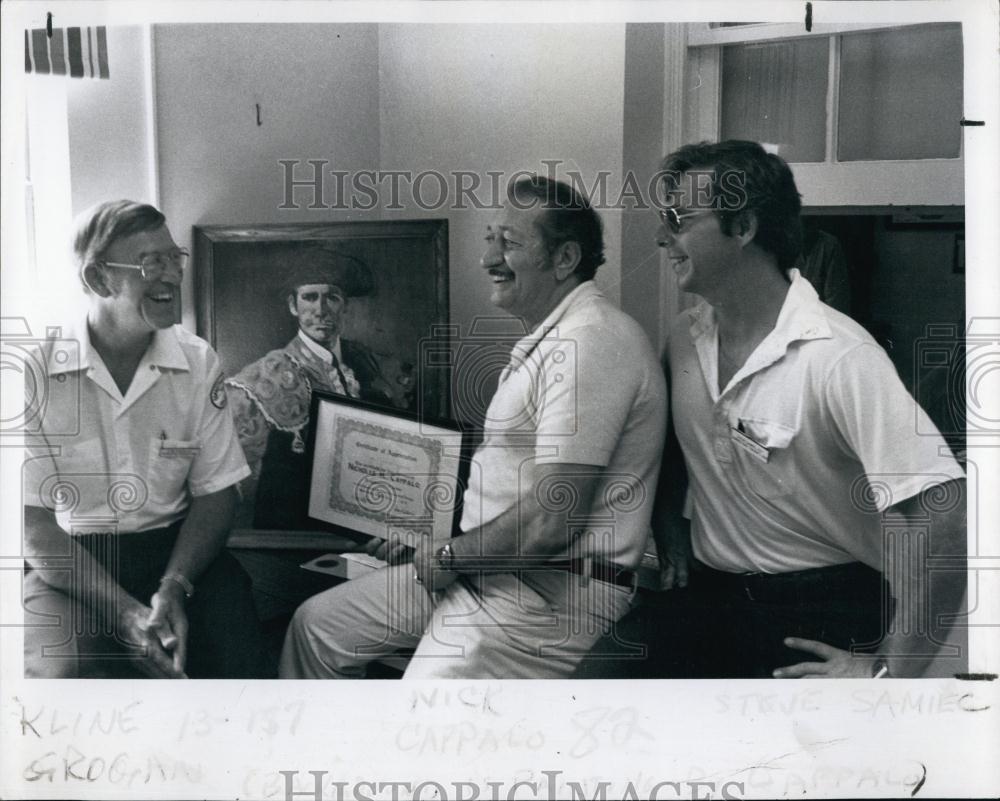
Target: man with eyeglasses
811,495
130,477
270,396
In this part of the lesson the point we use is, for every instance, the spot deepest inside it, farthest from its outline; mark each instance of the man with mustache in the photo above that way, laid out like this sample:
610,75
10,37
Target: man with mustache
556,513
130,478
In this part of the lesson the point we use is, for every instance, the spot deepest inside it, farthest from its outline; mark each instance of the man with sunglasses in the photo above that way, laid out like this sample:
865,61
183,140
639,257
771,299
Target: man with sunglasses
811,495
270,396
129,480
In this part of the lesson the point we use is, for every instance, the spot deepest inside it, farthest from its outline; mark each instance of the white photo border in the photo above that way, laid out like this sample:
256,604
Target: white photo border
231,739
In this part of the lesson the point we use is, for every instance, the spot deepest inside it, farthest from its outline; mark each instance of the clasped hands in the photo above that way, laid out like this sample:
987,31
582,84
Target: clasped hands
161,631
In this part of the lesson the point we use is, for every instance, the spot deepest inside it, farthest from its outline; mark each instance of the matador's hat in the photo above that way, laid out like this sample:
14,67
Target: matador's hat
326,265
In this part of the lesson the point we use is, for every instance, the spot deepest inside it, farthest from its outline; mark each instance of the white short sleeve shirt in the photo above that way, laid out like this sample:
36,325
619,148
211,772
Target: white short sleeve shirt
793,462
111,463
583,388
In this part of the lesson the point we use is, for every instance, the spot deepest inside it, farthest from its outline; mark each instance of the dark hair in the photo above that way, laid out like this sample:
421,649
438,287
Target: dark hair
568,217
746,178
100,226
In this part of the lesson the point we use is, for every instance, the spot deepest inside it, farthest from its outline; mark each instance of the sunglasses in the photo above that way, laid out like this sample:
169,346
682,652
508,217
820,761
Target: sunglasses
673,219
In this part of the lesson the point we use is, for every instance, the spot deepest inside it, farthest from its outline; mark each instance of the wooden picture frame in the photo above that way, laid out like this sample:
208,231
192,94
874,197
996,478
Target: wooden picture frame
241,279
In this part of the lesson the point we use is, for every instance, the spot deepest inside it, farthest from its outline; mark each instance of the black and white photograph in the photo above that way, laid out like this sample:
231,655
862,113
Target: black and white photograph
499,400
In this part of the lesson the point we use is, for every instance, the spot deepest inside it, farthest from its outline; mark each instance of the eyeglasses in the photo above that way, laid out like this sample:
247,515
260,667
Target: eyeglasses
673,219
154,265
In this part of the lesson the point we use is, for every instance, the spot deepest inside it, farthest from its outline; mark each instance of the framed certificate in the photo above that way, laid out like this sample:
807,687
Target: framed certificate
386,473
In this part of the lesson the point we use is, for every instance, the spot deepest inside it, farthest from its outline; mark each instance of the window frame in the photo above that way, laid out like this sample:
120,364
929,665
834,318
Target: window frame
902,182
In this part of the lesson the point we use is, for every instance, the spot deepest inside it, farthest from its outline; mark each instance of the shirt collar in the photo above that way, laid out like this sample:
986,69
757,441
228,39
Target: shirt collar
581,294
78,336
319,351
802,316
164,351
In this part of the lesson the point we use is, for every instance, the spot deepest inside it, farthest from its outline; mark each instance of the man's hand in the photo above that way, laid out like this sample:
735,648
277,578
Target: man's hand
140,628
427,570
673,546
836,664
392,550
169,622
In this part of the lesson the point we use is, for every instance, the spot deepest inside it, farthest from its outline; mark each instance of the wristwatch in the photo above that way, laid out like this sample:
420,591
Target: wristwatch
880,669
445,558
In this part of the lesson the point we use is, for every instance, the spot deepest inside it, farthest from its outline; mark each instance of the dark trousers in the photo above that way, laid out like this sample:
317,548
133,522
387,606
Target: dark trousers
726,625
67,638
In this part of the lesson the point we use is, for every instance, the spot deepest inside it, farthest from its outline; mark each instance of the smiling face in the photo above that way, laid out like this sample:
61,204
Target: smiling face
319,309
701,255
524,280
136,302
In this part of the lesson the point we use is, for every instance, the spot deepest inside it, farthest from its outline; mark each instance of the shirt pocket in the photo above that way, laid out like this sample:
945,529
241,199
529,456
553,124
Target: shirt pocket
169,465
775,477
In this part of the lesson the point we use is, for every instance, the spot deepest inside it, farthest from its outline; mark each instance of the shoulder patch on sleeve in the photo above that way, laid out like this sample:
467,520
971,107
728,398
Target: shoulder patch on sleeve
218,393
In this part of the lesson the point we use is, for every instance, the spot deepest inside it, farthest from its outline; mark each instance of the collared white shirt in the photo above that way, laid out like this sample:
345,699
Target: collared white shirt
107,462
792,463
584,387
321,352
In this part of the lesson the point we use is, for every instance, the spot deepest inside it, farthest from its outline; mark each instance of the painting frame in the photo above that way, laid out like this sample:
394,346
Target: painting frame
241,304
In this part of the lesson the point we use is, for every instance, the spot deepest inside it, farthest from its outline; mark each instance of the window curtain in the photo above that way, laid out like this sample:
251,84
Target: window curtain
763,108
776,93
76,52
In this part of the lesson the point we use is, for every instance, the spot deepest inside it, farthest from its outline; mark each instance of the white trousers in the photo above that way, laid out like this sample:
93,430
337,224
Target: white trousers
533,625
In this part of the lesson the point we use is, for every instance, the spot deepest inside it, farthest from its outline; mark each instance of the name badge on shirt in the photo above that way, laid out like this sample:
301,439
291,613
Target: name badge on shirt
179,449
750,445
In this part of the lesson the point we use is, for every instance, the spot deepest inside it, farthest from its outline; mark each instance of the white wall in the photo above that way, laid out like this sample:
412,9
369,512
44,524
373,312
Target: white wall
501,97
363,96
108,134
643,275
318,89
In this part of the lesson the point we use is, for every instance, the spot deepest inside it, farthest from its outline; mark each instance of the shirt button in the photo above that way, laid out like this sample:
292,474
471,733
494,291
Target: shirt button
721,450
152,367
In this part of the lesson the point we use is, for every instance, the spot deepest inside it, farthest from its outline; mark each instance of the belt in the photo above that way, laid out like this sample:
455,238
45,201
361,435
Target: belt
853,579
607,572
